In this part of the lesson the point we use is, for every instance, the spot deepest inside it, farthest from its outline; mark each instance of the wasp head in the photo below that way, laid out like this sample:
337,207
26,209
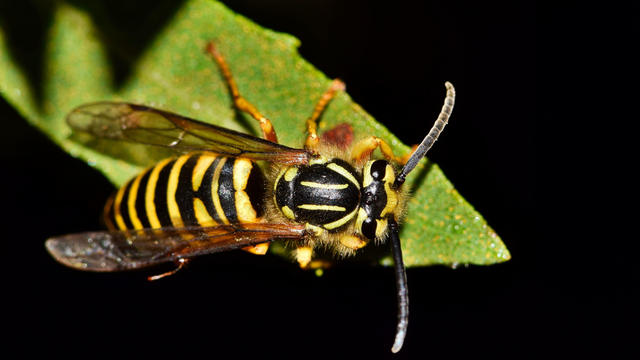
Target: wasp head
378,200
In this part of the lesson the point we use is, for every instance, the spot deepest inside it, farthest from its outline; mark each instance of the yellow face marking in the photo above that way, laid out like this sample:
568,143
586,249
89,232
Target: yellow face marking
321,207
150,205
389,175
131,202
290,173
202,215
381,227
342,171
116,208
245,212
392,200
324,186
392,196
200,169
241,170
214,191
343,220
389,178
288,212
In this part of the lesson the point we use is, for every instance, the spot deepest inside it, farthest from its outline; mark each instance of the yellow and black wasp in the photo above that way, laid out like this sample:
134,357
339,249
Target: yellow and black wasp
213,196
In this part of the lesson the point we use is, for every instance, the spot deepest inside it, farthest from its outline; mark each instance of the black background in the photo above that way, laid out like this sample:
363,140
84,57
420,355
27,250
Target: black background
394,59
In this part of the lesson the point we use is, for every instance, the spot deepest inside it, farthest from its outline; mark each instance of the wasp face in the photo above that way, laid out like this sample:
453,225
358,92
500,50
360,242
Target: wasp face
378,198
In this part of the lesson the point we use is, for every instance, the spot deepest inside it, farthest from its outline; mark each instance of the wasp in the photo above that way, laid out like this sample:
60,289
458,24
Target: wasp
213,195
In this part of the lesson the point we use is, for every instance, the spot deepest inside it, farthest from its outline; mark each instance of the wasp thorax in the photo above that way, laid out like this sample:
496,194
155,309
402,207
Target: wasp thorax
378,198
325,194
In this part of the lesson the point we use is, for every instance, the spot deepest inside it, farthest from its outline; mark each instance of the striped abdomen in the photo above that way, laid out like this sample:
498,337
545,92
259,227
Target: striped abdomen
198,189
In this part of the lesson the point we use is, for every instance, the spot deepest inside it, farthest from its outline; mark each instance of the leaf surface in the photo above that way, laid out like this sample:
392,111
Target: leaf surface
174,74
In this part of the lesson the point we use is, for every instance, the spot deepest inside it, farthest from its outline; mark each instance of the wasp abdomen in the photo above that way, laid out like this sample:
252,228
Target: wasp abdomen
326,195
198,189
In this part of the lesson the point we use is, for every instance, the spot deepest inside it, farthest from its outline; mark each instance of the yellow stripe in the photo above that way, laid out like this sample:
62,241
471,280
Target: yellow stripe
150,191
131,202
321,207
343,220
214,191
202,215
288,212
241,170
324,186
116,208
200,169
244,211
172,187
342,171
291,173
275,183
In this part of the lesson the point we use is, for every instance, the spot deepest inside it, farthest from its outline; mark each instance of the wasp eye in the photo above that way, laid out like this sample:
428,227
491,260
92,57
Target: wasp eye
369,228
378,169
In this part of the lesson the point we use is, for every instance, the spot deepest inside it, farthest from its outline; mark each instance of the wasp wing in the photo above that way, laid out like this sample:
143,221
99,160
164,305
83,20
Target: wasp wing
146,125
104,251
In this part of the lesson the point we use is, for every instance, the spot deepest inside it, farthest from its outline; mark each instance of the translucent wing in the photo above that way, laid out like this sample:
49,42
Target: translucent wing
145,125
103,251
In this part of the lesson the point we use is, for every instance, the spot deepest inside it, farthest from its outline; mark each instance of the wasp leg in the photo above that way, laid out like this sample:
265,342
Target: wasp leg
241,103
259,249
362,150
303,255
312,126
180,262
353,242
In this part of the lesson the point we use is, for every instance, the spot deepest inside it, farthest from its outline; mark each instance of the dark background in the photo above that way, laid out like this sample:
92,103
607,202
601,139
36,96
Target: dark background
394,59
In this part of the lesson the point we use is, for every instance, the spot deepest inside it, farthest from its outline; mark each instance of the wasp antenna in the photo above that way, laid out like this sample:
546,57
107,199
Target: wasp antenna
431,137
401,284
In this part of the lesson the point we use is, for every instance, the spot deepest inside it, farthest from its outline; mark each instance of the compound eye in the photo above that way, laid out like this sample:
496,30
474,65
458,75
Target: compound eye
369,228
378,170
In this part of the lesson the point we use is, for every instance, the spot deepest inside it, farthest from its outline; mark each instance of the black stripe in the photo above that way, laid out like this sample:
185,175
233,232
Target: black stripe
124,206
226,192
184,192
204,192
141,209
256,190
160,195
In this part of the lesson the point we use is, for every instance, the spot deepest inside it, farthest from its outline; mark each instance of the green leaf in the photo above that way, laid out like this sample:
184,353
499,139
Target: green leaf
173,73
